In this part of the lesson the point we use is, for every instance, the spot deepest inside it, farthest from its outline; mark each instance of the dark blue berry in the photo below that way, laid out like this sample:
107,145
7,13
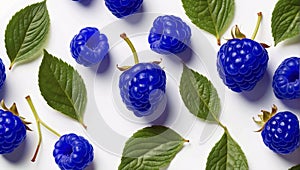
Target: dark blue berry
12,131
281,133
169,34
241,63
72,152
286,79
142,88
89,47
2,74
122,8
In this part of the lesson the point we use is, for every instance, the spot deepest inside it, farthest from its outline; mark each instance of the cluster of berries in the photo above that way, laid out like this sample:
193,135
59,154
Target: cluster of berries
142,86
241,63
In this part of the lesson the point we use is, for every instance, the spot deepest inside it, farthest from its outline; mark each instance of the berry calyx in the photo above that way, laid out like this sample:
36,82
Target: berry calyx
142,86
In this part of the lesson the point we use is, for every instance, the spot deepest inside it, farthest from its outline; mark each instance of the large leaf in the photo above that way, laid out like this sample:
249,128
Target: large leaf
285,20
62,87
26,33
226,154
199,95
296,167
151,148
213,16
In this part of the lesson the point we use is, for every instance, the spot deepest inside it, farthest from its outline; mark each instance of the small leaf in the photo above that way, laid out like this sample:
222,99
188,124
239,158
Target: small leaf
226,154
199,95
151,148
26,33
62,87
297,167
213,16
285,20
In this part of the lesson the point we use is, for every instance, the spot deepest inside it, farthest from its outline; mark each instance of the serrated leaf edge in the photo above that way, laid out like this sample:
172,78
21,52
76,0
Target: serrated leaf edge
78,115
31,53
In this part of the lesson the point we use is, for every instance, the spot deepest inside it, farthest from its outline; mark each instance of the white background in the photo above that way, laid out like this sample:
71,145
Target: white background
68,17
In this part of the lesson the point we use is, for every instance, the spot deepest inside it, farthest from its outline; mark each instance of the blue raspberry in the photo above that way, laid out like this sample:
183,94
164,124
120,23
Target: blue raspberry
12,131
286,79
89,47
72,152
2,74
142,88
169,34
281,133
241,63
123,8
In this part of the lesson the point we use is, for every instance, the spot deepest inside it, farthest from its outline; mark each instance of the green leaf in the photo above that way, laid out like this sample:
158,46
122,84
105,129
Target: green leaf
62,87
26,33
151,148
297,167
226,154
199,95
285,20
213,16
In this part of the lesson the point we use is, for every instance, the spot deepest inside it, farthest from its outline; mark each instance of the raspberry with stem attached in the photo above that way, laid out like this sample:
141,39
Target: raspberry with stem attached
242,62
71,152
142,86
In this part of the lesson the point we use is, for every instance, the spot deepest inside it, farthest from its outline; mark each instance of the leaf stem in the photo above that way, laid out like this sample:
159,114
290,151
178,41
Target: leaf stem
11,65
257,25
186,140
39,122
218,121
136,59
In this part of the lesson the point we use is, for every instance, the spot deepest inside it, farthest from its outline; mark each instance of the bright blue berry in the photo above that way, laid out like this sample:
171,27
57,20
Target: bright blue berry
72,152
89,47
12,131
142,88
2,73
123,8
286,80
281,133
169,34
241,63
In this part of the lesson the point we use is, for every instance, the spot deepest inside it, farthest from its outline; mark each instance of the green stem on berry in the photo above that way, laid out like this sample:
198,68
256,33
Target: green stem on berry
136,58
257,25
39,122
